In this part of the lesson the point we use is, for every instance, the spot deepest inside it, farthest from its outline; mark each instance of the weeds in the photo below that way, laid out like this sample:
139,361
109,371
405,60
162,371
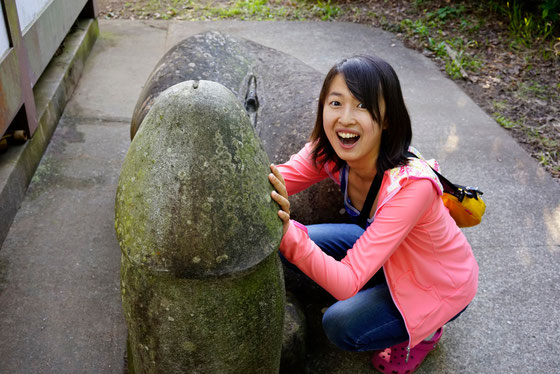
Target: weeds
529,27
505,122
447,12
452,50
529,89
418,27
547,151
524,27
326,10
241,9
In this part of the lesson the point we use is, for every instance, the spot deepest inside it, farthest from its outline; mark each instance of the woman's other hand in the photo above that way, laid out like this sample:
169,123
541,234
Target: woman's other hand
280,196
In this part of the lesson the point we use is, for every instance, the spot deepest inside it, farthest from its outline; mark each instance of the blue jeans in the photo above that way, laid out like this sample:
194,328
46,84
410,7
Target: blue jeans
369,320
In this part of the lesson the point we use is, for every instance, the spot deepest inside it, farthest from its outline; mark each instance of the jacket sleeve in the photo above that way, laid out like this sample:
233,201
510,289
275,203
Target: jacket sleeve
392,223
301,172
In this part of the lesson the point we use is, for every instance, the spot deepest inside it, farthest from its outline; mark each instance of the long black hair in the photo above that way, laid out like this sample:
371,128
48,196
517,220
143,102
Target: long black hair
369,79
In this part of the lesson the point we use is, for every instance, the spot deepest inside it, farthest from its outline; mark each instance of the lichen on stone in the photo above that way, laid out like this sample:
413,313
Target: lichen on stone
207,194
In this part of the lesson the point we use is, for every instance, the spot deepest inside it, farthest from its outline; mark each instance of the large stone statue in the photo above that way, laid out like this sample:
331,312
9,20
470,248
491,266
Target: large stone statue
202,286
278,91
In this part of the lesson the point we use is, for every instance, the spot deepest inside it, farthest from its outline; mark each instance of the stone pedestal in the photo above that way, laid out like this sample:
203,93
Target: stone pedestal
202,284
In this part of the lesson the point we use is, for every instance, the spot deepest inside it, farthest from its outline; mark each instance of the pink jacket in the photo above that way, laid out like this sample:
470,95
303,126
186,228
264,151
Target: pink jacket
429,265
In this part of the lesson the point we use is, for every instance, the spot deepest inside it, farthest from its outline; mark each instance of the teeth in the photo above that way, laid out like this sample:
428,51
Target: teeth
347,135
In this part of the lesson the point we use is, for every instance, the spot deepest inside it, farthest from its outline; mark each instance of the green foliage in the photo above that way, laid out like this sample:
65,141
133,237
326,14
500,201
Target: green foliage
547,153
524,27
529,89
551,10
452,50
253,7
326,10
505,122
530,21
438,48
447,12
459,63
418,27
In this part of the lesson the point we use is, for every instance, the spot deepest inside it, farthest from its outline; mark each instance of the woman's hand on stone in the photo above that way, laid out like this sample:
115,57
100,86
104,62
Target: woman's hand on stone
280,196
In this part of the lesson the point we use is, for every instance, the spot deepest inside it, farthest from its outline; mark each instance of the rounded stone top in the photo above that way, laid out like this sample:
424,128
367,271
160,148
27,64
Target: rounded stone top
193,197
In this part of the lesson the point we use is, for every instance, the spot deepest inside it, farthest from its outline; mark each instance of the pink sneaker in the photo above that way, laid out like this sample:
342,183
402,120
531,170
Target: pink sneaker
393,360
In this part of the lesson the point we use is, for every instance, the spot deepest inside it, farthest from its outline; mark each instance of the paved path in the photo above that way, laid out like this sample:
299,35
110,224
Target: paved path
59,265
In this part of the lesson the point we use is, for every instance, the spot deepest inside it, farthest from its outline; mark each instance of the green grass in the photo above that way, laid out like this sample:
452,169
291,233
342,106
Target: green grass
447,12
326,10
257,10
506,122
453,51
526,27
530,89
548,150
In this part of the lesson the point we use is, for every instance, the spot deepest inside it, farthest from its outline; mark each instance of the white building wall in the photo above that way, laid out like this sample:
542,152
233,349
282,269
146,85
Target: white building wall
4,40
29,10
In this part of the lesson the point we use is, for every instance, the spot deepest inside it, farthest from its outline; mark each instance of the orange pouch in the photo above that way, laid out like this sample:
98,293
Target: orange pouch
467,212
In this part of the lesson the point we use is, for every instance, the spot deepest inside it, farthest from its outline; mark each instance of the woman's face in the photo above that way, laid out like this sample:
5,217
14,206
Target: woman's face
349,126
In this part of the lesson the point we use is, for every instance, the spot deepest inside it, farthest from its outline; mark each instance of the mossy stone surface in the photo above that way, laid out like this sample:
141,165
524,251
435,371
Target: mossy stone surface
201,281
223,325
193,196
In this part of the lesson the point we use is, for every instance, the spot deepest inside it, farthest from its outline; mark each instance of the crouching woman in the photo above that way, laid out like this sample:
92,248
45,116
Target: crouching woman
404,269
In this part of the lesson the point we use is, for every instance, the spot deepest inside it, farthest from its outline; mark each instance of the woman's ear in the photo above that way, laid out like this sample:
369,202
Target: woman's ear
383,114
384,124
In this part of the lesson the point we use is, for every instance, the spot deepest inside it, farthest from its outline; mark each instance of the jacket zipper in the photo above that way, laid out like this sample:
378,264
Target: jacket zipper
387,198
402,315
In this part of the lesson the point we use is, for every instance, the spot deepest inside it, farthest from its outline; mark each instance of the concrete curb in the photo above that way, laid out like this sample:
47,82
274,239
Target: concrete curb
52,92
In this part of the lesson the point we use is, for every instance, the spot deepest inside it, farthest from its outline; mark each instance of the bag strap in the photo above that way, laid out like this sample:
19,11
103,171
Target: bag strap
454,189
370,198
447,185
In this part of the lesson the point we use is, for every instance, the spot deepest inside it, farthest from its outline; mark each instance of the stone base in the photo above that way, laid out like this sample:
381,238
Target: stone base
295,333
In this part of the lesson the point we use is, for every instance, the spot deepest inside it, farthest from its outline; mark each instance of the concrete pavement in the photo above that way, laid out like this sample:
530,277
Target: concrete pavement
59,265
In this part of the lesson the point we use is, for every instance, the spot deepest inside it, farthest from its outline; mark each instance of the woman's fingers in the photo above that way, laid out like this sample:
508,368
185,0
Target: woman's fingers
280,195
282,201
285,217
278,181
277,173
284,212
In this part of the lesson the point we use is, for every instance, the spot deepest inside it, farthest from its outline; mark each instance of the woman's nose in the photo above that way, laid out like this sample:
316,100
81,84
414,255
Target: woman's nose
347,117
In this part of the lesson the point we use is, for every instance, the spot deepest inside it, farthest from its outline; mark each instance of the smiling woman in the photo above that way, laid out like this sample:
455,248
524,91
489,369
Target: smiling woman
354,90
403,268
350,128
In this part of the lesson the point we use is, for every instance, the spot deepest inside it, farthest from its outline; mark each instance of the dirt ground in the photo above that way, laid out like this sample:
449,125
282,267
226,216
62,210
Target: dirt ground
515,81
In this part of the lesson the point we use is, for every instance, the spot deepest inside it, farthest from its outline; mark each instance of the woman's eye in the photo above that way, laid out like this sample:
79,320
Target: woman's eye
362,106
335,103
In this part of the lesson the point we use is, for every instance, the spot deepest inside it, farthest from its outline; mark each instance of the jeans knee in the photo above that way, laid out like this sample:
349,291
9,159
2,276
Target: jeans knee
337,329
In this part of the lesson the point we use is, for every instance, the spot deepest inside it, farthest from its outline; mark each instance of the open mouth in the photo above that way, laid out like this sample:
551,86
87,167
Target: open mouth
348,138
